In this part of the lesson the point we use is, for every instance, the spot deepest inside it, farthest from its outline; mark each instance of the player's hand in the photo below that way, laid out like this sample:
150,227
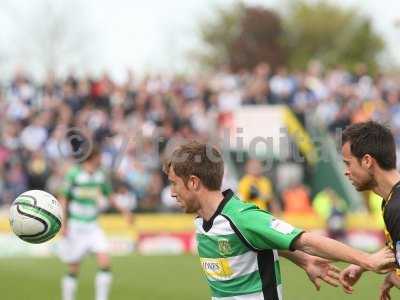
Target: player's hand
390,281
382,261
385,288
318,269
349,277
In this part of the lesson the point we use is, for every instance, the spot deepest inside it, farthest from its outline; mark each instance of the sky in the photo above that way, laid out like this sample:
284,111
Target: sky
146,35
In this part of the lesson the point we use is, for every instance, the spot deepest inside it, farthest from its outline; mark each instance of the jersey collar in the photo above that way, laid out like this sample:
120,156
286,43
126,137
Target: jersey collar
228,194
385,201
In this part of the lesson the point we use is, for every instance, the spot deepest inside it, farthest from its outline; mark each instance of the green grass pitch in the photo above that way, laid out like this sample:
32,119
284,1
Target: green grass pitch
153,278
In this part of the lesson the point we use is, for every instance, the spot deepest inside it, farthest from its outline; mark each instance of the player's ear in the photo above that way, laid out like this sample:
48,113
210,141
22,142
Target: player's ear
194,183
367,161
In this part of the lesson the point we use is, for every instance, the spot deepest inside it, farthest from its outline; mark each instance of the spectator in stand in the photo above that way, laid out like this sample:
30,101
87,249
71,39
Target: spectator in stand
332,208
37,115
296,199
256,188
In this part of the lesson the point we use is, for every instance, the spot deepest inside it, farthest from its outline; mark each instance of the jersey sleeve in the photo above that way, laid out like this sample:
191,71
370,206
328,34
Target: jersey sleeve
106,187
66,189
262,231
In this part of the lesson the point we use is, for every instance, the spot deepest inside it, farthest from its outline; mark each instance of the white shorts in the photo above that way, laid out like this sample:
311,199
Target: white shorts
81,239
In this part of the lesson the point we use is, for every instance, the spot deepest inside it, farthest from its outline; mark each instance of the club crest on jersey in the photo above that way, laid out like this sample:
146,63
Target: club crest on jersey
224,247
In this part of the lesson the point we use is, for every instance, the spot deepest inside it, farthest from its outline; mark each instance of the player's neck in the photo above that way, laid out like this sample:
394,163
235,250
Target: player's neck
385,181
89,168
210,201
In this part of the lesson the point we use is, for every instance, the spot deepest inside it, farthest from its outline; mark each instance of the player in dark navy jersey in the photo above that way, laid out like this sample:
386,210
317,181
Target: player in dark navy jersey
369,153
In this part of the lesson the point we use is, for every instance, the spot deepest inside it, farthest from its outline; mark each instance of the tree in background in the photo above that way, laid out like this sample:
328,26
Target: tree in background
241,36
259,39
331,34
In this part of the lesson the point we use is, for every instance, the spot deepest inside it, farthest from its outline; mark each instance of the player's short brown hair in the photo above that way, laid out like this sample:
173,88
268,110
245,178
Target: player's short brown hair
198,159
374,139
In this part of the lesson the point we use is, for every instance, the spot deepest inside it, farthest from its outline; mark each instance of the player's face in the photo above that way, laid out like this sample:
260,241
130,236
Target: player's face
184,196
356,171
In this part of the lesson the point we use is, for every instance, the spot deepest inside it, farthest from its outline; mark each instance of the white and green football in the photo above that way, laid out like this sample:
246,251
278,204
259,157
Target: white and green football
35,216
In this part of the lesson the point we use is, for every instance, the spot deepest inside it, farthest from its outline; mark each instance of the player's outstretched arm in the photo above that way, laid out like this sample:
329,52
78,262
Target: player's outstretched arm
317,268
321,246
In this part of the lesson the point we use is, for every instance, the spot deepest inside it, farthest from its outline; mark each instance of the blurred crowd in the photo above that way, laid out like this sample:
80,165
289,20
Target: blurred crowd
134,121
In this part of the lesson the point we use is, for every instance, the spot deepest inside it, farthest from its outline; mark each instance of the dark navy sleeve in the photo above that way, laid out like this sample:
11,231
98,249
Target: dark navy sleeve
392,222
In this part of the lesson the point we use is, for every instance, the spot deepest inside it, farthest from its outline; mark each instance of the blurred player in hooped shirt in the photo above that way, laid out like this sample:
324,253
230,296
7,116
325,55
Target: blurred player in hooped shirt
86,186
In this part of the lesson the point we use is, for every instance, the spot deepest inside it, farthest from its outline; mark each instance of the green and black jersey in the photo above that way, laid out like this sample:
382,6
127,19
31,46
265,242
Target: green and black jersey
238,250
83,191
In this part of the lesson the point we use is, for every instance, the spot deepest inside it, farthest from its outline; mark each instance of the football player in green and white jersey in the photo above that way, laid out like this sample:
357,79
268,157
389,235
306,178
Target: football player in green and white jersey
85,186
238,244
